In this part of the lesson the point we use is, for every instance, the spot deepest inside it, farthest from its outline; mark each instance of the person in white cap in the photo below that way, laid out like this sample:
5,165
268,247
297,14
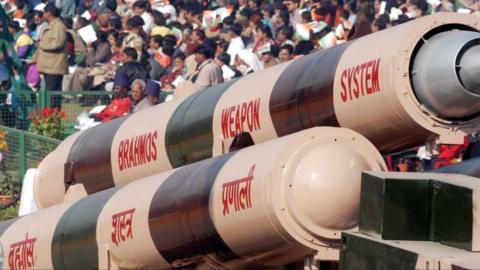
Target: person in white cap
247,62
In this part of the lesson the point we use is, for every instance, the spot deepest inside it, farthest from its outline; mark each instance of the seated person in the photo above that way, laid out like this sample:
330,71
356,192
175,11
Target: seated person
286,53
132,67
178,70
120,103
139,100
153,91
82,80
228,72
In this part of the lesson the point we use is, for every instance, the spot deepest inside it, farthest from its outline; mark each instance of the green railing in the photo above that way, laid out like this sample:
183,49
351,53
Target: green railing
20,150
73,103
24,149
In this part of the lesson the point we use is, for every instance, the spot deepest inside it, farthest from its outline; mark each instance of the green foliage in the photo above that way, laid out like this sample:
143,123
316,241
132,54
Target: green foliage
9,212
11,188
8,186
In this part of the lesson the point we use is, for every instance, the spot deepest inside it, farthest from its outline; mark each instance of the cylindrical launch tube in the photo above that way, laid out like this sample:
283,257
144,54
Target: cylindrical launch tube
469,167
373,85
266,205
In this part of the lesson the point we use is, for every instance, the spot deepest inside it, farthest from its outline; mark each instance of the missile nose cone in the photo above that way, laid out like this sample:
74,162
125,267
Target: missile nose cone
321,183
326,187
446,74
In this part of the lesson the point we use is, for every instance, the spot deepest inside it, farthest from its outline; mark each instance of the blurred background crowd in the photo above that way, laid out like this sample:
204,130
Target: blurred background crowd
83,44
148,52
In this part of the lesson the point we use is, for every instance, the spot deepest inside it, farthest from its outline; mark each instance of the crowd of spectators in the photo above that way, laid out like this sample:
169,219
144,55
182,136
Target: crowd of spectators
157,50
185,45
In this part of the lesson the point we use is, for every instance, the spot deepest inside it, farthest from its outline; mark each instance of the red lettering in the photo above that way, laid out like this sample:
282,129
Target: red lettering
356,91
237,193
230,121
375,84
131,153
368,77
256,114
225,113
362,77
355,80
238,127
244,113
148,141
240,118
122,222
142,159
125,153
120,160
350,76
22,254
137,151
343,94
154,146
250,116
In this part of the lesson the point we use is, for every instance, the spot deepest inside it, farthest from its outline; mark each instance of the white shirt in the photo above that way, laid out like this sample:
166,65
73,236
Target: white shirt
167,9
147,18
236,45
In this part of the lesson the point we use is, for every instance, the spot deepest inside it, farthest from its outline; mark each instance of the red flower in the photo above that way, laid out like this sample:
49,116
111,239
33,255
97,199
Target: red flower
46,112
50,122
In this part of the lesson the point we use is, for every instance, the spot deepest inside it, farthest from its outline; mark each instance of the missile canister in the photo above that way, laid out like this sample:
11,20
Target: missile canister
265,205
469,167
397,87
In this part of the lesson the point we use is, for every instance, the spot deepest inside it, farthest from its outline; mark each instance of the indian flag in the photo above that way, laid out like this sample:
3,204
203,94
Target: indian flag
329,40
302,31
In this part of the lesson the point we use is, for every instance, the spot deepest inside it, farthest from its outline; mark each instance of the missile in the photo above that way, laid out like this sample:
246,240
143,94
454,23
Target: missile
263,206
469,167
398,87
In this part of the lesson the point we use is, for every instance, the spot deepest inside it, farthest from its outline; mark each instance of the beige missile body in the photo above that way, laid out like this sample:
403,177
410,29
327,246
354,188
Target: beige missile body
266,205
399,88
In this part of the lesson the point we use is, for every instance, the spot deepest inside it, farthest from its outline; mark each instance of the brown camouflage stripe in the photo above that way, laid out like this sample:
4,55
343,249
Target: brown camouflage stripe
185,194
89,160
301,98
295,104
189,135
179,217
303,94
74,243
179,221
